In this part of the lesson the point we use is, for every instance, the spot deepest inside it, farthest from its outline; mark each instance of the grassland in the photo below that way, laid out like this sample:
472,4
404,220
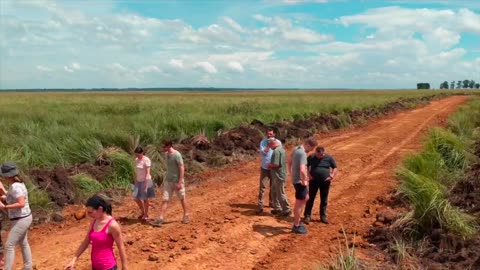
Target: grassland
64,129
49,129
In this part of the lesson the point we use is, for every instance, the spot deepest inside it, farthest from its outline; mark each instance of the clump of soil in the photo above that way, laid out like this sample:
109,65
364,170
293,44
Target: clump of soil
57,182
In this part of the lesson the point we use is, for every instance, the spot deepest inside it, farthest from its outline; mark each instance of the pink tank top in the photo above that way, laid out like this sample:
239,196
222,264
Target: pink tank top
102,248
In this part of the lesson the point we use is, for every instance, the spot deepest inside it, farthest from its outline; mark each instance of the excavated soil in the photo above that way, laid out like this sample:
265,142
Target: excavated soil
225,233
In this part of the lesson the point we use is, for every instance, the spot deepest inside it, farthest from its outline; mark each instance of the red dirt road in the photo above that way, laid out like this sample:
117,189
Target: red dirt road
225,233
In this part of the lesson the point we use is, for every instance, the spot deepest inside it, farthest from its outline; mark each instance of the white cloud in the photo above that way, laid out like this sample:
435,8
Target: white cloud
68,69
150,69
207,67
305,35
236,66
44,68
117,67
100,47
176,63
234,25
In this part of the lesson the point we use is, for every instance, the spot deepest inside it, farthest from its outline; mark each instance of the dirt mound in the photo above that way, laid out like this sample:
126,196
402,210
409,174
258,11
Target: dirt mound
244,138
56,183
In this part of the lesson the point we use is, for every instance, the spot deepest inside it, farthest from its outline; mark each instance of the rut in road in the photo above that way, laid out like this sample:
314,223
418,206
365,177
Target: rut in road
225,232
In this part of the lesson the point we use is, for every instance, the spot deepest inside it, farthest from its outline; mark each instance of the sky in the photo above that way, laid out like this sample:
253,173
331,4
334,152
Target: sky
363,44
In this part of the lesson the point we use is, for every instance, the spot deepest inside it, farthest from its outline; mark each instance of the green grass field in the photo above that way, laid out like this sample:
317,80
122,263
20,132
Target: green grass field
48,129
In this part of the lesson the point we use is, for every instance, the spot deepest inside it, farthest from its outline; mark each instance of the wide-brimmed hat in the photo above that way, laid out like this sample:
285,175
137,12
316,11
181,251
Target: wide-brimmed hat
9,169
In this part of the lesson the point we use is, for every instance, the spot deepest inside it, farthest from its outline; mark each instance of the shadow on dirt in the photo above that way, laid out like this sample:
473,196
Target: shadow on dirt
271,231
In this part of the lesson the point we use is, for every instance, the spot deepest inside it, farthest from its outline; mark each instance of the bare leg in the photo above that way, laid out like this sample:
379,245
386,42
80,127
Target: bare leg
141,207
185,207
146,204
297,210
164,209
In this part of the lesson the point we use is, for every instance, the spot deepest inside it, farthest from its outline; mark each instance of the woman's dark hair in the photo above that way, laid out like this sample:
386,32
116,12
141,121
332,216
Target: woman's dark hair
96,201
138,150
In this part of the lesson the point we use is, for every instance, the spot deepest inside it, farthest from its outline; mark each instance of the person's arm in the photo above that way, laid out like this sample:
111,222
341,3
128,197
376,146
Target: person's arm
181,172
19,204
304,174
333,173
333,166
3,191
275,161
17,193
263,147
303,170
83,246
116,232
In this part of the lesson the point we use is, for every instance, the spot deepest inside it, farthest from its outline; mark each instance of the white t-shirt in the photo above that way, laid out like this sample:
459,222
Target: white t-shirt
15,191
141,166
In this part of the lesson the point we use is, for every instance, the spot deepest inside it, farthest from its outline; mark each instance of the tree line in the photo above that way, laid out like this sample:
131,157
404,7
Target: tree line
460,84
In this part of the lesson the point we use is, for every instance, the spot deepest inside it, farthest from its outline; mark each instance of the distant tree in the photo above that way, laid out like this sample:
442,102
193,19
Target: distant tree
459,84
423,86
452,85
471,84
465,83
444,85
477,85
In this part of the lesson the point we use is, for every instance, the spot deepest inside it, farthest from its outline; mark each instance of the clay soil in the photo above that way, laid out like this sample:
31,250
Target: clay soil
225,232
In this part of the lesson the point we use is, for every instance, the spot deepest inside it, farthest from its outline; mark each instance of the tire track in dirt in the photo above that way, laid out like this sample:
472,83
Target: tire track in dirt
225,233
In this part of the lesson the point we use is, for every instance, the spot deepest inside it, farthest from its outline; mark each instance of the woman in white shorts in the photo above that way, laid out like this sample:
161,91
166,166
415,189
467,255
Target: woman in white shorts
144,189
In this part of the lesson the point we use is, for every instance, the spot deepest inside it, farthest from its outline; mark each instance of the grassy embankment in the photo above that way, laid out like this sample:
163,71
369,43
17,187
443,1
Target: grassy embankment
426,181
44,130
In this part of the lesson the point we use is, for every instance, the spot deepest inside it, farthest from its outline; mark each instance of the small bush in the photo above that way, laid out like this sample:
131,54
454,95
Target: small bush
86,185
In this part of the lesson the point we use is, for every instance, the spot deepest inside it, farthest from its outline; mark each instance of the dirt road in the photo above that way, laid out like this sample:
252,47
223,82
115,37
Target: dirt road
225,233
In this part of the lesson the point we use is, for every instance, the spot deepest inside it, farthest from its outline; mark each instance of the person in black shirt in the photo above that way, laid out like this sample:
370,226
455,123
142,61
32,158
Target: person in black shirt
322,169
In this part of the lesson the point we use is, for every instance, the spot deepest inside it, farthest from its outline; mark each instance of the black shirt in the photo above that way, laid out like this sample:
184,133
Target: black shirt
319,168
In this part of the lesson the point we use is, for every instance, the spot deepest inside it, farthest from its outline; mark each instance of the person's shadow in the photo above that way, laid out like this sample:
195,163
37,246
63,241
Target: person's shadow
248,209
271,231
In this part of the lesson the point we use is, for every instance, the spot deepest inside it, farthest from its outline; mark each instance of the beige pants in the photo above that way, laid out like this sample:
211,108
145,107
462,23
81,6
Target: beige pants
169,188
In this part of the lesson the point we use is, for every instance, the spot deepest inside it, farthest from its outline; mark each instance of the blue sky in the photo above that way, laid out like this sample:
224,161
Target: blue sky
245,44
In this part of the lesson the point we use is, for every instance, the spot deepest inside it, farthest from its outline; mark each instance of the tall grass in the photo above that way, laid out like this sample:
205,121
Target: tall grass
345,259
49,129
427,177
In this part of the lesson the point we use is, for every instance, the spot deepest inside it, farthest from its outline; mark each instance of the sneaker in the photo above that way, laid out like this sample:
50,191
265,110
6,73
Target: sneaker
275,212
157,223
286,213
300,229
307,220
324,219
259,211
186,220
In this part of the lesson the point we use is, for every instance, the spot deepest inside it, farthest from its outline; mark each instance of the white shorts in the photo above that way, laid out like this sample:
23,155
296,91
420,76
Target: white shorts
169,188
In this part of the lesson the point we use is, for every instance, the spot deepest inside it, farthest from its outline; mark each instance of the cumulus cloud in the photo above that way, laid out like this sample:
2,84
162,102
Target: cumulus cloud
207,67
150,69
176,63
99,47
236,66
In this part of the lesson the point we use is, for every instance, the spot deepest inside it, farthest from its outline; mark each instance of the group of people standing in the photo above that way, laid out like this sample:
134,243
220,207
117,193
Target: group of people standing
309,175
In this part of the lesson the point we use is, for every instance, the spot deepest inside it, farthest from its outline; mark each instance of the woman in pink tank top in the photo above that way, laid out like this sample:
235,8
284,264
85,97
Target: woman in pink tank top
104,231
